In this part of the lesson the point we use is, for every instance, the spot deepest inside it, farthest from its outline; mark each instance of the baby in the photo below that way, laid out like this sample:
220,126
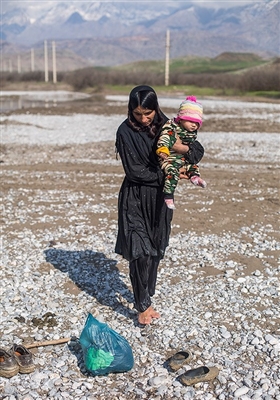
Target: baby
184,127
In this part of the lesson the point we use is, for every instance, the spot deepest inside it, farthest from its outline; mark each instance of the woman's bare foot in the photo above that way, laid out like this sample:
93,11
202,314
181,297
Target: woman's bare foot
146,317
155,314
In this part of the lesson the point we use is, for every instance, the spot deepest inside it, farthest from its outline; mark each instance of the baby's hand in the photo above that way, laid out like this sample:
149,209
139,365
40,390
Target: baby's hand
164,156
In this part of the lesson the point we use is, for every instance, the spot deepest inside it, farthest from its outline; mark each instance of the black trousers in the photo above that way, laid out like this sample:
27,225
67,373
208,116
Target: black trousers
143,276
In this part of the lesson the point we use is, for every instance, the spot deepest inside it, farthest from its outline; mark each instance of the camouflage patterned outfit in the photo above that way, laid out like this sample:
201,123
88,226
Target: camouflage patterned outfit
168,136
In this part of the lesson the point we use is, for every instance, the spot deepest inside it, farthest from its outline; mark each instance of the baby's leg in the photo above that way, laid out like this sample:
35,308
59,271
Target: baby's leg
194,175
170,184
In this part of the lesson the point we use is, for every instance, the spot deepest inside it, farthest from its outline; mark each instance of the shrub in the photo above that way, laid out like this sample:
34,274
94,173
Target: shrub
258,79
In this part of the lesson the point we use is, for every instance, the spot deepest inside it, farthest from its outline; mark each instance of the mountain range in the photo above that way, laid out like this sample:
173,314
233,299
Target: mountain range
115,33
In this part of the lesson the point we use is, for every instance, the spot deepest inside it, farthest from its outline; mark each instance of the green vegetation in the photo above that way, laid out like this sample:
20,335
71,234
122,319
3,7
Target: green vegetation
225,62
169,90
140,66
272,94
229,74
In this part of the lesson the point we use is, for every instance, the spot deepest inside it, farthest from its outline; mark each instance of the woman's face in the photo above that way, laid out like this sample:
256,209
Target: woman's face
143,116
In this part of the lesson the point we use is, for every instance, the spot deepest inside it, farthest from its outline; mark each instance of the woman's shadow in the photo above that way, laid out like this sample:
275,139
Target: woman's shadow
96,275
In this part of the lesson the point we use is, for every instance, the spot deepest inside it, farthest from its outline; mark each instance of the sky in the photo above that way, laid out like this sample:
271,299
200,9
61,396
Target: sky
37,4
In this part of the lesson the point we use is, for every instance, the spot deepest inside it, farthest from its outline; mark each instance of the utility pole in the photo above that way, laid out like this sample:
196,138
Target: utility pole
46,61
167,47
18,64
32,60
54,62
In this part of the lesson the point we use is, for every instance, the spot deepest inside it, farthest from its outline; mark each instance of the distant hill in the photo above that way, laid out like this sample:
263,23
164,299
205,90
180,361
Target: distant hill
223,63
93,34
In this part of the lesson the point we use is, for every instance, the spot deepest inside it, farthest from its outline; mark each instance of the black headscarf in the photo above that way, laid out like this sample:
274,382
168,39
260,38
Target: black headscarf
148,100
139,88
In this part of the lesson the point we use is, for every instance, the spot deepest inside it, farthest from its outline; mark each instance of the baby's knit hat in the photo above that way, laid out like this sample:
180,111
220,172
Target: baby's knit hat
191,110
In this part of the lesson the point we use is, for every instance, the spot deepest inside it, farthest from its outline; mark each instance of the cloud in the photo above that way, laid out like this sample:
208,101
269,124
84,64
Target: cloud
33,5
222,3
30,4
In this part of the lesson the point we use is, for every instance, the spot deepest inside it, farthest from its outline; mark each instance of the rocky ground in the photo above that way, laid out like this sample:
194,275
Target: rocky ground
233,184
218,289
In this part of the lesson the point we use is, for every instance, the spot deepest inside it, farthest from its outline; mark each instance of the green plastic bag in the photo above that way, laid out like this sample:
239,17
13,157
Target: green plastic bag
104,349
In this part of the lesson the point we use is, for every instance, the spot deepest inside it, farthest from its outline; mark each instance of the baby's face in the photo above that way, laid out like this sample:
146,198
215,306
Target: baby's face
189,125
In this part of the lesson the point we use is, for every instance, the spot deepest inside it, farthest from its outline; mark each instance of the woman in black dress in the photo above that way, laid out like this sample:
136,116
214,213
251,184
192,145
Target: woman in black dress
144,220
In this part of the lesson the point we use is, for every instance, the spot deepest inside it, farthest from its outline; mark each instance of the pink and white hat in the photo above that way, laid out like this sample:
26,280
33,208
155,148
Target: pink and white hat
191,110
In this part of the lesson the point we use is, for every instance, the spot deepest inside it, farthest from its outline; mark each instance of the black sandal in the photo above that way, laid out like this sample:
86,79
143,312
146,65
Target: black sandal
200,374
179,359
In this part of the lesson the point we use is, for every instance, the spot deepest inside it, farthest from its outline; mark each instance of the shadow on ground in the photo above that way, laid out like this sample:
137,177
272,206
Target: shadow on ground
96,275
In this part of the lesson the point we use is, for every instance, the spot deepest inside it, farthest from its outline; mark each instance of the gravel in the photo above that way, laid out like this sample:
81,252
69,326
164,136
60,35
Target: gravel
228,319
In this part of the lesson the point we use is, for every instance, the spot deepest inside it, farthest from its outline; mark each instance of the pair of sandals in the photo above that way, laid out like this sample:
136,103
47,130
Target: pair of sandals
192,376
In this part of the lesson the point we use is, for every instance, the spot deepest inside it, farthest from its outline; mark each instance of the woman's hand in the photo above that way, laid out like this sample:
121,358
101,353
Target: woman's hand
183,171
180,148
